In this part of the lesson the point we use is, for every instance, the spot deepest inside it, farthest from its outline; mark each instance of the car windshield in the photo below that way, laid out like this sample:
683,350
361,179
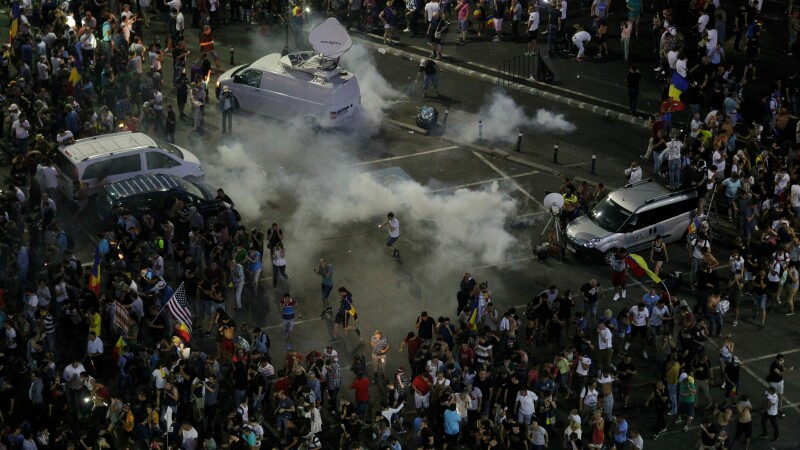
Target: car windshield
609,215
171,149
191,188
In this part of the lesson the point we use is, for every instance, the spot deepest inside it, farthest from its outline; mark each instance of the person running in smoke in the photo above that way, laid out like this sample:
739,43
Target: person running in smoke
394,233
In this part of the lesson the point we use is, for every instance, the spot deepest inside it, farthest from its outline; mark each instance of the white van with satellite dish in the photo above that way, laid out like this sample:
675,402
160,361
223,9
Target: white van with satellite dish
300,84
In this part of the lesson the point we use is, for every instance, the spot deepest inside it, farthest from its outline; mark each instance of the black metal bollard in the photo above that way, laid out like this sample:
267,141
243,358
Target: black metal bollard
594,162
446,113
519,142
555,153
480,130
232,52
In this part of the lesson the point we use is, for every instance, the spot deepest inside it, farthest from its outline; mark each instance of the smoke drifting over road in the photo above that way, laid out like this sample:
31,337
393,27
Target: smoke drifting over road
314,190
503,118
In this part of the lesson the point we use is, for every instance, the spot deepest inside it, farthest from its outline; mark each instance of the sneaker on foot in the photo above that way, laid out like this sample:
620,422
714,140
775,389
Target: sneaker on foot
735,322
644,354
686,429
671,413
644,158
396,252
790,313
624,293
333,341
678,420
616,297
358,331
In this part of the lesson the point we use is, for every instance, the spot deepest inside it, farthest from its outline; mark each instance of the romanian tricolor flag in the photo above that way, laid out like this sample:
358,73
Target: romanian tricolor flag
472,322
117,351
94,277
74,79
183,332
639,267
12,33
694,225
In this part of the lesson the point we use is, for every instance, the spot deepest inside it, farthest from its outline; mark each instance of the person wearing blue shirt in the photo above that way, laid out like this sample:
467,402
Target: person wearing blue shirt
651,299
254,266
249,437
731,186
620,431
452,426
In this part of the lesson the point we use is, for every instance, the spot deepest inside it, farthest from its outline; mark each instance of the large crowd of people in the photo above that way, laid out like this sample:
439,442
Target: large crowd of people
113,366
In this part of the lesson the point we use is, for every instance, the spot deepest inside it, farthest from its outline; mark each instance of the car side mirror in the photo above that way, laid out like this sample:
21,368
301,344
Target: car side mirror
237,78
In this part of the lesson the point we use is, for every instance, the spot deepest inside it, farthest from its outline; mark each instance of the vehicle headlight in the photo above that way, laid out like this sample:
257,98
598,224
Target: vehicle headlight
218,84
591,243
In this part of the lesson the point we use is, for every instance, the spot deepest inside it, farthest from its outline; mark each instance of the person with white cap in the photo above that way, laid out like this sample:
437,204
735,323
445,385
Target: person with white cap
226,107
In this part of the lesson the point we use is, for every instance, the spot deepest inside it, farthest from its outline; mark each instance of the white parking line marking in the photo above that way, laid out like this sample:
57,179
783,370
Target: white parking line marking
760,379
477,183
771,355
507,177
394,158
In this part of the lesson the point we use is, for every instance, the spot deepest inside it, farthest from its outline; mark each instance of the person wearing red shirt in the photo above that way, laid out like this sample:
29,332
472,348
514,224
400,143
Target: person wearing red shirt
465,354
414,343
422,388
283,384
361,387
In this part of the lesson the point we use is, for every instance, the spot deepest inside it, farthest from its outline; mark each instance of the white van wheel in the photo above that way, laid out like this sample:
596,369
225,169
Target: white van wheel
608,255
310,123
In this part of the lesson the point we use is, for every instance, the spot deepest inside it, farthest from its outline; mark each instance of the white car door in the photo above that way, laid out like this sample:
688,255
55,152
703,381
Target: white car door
247,89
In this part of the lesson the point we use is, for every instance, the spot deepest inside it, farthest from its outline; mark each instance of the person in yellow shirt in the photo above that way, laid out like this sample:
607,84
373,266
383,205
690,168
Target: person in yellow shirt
571,205
95,322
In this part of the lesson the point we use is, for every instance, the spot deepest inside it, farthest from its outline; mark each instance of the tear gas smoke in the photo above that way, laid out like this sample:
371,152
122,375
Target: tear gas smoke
503,119
315,191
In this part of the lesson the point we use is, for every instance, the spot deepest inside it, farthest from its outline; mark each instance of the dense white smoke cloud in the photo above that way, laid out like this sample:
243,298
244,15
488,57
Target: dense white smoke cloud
503,118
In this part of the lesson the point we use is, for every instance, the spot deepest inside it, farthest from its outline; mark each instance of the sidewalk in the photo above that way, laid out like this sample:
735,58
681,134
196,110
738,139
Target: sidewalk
600,82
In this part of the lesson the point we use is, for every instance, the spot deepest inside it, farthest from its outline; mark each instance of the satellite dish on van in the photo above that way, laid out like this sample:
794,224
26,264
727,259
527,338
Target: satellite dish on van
553,202
330,39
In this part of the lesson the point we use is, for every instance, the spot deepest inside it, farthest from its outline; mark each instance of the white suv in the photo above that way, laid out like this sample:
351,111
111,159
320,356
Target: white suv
113,157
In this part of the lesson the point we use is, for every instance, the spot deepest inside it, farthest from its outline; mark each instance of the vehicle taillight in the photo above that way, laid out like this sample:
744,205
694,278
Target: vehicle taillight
333,115
75,173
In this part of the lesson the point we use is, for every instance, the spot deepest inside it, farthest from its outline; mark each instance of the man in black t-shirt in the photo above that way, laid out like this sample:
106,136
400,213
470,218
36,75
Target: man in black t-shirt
425,326
590,291
778,370
427,67
625,372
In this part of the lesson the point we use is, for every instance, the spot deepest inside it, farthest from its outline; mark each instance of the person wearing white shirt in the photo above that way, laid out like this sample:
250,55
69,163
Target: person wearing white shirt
634,173
794,197
525,406
640,320
433,366
781,181
605,344
719,159
588,400
702,23
94,347
430,8
681,65
580,39
770,414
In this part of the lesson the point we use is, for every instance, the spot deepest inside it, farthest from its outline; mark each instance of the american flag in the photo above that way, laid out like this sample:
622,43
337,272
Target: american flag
179,307
122,318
